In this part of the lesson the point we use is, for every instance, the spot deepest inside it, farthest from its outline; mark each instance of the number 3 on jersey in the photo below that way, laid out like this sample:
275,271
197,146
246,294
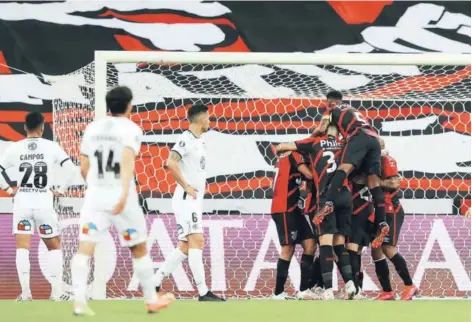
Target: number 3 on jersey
110,165
331,161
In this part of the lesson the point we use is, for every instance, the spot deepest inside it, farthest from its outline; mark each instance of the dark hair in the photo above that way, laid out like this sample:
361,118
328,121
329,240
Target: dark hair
34,120
118,99
334,95
195,110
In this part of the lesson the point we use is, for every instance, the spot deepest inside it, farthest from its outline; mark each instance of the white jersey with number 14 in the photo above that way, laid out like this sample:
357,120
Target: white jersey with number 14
103,142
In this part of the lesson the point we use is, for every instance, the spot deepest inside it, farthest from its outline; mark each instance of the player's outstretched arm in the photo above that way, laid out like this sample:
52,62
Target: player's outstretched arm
71,171
84,166
284,147
322,127
303,169
173,164
391,183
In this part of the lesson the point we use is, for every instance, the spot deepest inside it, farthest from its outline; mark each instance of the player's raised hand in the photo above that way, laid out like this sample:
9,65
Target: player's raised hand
120,206
191,191
12,191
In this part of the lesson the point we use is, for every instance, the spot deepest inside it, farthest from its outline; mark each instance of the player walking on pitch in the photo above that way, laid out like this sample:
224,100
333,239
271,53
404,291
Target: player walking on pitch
35,157
187,163
108,152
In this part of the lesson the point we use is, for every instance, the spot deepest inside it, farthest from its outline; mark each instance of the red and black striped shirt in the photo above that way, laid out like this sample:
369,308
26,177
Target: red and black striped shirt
361,199
392,199
348,120
286,183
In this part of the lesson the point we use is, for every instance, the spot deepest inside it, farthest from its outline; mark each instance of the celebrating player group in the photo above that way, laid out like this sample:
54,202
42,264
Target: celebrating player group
352,202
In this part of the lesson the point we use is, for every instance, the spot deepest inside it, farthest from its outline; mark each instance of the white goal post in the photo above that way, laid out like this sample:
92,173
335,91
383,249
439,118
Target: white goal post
419,103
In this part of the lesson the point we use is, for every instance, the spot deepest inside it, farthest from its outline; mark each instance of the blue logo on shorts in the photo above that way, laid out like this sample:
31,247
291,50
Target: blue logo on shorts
130,234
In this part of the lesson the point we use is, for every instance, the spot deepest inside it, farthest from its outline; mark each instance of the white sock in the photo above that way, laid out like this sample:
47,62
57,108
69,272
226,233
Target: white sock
144,270
80,271
23,269
170,264
195,261
55,256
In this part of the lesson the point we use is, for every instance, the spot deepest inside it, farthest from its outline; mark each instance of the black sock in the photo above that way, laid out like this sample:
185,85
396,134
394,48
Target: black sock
327,264
383,274
361,279
402,269
282,274
356,267
306,268
344,262
335,184
379,204
316,278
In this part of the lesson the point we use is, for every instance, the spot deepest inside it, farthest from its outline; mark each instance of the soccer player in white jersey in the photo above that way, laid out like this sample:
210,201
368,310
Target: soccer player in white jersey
35,158
108,150
187,165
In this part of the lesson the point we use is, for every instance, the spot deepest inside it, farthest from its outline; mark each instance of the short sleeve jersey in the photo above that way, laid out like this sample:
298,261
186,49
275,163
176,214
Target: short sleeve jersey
348,120
34,159
193,162
103,142
392,199
286,183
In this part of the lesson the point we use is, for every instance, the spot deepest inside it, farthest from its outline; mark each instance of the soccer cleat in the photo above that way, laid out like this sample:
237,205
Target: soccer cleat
24,298
82,310
350,290
327,209
306,295
317,290
386,296
210,297
163,301
60,298
328,295
382,232
281,297
409,292
360,296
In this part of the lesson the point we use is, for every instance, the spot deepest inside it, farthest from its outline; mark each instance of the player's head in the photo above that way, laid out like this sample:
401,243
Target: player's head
34,123
381,142
119,101
333,99
198,115
333,131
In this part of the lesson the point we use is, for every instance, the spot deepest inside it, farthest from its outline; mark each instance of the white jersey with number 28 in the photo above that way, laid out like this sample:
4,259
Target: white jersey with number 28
34,159
103,142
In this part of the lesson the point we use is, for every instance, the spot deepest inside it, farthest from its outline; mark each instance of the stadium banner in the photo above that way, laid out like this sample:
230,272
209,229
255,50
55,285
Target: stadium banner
241,254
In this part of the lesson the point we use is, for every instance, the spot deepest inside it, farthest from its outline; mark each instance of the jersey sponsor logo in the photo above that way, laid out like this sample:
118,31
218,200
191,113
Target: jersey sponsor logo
32,146
182,144
202,163
24,225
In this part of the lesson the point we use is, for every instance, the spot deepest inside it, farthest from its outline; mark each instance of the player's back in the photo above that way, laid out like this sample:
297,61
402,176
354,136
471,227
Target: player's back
104,142
348,120
34,159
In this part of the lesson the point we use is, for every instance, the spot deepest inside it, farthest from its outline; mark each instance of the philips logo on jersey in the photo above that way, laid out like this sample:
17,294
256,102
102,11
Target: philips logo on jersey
202,163
29,157
333,144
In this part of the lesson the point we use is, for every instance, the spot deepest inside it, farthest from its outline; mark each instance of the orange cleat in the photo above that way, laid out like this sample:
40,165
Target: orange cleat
383,231
409,292
325,211
163,301
386,296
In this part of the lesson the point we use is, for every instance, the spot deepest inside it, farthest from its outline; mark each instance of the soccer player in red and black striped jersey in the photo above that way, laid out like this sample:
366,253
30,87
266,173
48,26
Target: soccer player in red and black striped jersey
361,152
332,230
390,182
292,225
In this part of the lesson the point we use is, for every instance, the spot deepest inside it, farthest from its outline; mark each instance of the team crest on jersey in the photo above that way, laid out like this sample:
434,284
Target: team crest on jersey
202,163
45,230
24,225
294,234
32,146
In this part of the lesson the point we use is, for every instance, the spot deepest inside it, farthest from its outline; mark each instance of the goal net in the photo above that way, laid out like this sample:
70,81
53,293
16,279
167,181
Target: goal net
420,104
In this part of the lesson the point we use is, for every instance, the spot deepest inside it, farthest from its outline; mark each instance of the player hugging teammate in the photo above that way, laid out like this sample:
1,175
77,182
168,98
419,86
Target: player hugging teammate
339,167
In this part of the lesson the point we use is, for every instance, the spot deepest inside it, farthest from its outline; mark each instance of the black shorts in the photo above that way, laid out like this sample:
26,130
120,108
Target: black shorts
363,152
395,222
293,227
361,227
340,221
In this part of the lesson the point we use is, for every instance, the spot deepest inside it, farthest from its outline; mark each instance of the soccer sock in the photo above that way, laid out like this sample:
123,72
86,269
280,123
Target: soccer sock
55,256
383,274
327,264
80,271
306,268
361,279
144,270
195,261
335,184
282,274
316,278
23,269
344,262
170,264
402,269
356,267
379,204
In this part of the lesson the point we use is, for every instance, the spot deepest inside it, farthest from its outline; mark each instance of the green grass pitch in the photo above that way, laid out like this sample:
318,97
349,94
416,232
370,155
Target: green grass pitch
246,311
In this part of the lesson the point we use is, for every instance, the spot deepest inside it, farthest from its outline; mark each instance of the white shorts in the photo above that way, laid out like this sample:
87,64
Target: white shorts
131,225
24,221
188,214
